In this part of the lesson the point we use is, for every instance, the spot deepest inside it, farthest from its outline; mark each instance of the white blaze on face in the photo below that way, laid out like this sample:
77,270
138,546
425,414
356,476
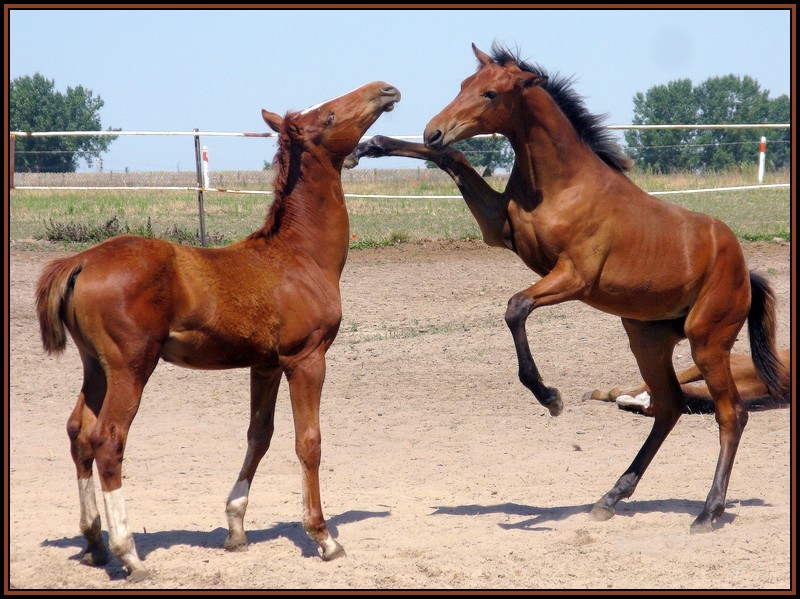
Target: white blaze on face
321,104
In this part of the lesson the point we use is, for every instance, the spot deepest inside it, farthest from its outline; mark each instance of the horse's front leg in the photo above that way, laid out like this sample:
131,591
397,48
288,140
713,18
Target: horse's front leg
380,146
305,388
486,204
563,283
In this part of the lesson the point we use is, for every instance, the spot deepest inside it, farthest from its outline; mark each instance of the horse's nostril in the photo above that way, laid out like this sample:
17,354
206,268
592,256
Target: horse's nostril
434,138
389,89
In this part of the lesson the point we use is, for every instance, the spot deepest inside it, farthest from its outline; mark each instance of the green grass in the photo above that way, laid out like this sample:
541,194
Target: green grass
752,214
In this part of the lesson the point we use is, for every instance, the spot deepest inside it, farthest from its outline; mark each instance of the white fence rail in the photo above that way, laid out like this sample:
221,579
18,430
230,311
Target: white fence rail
202,184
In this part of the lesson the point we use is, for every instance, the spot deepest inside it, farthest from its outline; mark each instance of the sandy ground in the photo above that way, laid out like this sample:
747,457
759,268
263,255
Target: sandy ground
439,469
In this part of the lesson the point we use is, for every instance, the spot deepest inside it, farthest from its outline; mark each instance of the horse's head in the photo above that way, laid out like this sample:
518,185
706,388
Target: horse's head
487,103
337,125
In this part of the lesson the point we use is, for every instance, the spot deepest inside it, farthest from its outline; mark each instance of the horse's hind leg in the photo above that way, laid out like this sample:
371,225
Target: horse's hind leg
263,393
305,387
79,427
108,439
712,326
652,344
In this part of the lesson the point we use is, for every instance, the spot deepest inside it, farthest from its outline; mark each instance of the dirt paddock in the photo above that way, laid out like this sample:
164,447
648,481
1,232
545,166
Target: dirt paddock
439,470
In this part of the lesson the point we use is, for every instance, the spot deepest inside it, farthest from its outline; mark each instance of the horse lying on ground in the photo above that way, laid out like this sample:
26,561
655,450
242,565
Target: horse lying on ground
574,217
752,389
269,302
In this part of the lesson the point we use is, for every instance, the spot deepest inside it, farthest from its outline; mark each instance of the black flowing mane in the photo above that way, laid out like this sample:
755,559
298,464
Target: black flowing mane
287,173
589,126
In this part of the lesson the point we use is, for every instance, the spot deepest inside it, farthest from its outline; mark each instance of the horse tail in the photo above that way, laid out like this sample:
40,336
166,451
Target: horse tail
761,324
52,293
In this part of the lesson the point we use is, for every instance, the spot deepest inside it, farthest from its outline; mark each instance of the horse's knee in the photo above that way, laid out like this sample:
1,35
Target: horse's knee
731,420
519,307
80,447
73,427
108,446
309,448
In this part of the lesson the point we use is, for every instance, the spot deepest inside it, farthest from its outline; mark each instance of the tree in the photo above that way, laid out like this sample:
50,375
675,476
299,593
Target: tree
716,101
663,150
35,105
490,153
779,141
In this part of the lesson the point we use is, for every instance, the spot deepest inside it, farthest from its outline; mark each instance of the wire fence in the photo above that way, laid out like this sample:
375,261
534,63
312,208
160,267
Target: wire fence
239,181
421,184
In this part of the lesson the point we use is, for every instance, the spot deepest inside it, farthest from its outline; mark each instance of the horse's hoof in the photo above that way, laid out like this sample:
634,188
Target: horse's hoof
700,526
138,575
332,550
235,544
556,406
95,557
350,162
95,554
601,513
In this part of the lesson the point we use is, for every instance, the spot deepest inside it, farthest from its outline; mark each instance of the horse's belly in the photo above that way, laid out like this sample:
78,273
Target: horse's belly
192,349
640,305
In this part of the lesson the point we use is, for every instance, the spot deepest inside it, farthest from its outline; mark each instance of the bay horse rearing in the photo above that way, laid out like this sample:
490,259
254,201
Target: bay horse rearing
573,216
269,302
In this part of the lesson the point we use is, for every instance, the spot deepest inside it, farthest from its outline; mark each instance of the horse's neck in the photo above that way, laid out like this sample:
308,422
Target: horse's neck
315,219
549,151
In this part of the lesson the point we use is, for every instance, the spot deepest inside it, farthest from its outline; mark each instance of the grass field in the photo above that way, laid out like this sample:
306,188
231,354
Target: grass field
752,214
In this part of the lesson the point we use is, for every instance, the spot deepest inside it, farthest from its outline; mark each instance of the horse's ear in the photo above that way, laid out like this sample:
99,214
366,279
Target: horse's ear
273,120
528,79
483,57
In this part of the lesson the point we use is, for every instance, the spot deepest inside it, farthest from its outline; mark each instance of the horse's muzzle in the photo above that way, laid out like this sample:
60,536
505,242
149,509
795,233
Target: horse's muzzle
391,95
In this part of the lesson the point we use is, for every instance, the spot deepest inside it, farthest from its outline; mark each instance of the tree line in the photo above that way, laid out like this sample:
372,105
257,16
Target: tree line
728,100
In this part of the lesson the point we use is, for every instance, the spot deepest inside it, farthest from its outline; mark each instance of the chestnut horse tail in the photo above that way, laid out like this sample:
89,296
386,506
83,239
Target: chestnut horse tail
52,294
761,324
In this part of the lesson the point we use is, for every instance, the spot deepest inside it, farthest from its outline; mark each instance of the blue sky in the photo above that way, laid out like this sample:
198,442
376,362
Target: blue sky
160,70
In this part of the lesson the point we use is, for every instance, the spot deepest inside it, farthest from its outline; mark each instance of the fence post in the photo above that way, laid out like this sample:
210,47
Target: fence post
206,178
762,159
198,161
11,159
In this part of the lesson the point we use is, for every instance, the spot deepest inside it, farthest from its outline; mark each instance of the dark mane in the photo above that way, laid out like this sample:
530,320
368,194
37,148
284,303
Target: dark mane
287,173
589,126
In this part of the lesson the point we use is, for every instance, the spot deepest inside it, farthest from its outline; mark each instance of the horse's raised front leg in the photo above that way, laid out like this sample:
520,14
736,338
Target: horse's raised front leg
380,146
263,394
305,388
563,283
79,427
487,205
652,343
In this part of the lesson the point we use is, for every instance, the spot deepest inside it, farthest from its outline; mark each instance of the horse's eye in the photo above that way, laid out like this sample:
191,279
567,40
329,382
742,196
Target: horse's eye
490,95
330,119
